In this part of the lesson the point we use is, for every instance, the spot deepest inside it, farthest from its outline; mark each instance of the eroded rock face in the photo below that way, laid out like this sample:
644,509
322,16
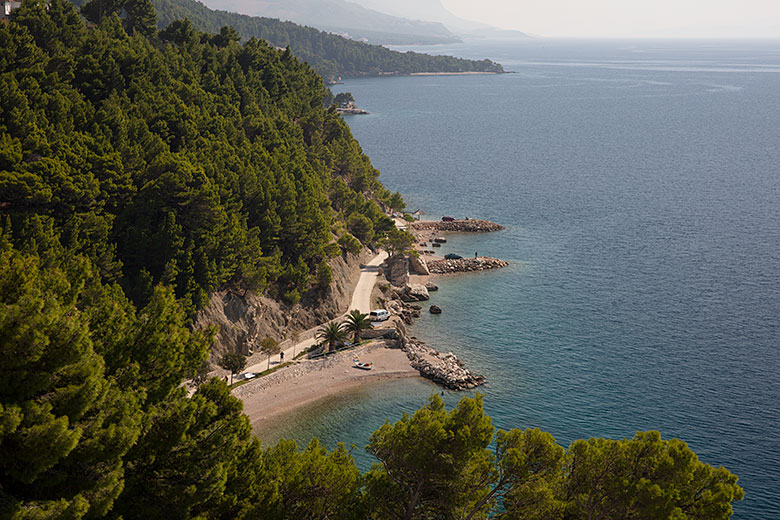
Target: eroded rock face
418,265
244,317
415,293
406,311
397,270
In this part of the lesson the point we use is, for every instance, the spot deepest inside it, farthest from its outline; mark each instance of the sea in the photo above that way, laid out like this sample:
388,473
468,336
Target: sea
639,183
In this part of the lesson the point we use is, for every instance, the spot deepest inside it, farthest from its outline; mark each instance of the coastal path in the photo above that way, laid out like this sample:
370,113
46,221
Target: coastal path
361,296
361,300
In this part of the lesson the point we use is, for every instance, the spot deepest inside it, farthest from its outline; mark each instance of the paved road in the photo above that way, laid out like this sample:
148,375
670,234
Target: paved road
361,297
361,300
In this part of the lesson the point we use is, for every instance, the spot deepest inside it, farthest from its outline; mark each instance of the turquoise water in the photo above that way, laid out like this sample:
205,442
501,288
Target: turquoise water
639,185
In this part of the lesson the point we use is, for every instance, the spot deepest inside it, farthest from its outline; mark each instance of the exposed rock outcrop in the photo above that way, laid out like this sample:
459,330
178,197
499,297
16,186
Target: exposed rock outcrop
244,318
418,265
415,293
463,265
406,311
431,286
435,309
396,270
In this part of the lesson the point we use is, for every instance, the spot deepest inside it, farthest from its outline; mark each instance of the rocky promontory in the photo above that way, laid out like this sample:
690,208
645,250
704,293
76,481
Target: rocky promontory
465,265
468,225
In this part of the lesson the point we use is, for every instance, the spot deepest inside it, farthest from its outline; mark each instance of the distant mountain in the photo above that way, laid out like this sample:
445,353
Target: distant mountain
330,55
345,18
434,11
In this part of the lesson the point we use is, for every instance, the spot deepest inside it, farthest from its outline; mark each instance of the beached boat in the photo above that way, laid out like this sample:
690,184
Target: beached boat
360,364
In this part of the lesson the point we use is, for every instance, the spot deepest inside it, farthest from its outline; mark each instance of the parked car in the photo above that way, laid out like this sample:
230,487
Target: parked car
447,219
452,256
379,315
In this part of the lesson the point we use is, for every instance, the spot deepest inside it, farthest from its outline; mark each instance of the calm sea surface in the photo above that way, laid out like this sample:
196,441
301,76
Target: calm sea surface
639,182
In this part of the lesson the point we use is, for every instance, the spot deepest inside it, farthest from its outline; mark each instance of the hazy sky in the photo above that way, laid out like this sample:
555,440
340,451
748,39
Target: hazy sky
616,18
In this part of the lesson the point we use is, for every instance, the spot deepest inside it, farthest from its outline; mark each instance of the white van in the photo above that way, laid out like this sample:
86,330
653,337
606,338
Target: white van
379,315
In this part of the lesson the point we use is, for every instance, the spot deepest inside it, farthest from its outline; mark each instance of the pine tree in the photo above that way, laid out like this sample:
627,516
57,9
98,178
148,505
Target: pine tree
65,426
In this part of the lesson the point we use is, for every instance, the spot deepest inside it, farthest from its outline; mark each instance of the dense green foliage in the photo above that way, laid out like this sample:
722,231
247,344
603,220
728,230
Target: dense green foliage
329,54
186,159
438,464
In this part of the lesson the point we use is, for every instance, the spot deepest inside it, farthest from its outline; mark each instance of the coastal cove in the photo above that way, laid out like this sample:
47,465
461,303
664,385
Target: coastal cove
639,195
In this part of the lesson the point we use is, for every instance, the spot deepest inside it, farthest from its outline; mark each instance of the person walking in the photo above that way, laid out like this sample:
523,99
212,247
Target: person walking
281,356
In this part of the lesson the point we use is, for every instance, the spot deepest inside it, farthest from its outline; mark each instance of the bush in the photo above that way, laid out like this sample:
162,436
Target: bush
361,227
332,250
292,296
350,244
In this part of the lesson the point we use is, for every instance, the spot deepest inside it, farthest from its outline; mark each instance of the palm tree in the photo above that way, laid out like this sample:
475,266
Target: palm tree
357,322
332,333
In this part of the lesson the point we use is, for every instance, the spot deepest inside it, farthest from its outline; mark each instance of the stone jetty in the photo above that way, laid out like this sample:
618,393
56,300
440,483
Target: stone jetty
465,265
471,225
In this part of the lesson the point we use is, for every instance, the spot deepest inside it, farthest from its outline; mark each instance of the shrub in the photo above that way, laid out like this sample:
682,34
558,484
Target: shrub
350,244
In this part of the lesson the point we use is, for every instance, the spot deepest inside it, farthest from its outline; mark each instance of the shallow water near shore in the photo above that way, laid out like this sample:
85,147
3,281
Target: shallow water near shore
640,186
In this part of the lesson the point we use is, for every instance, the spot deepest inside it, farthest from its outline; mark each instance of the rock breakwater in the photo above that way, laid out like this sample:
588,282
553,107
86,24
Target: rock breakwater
472,225
465,265
442,368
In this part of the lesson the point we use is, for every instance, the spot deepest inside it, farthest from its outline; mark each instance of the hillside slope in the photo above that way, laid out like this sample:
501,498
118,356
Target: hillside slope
434,11
341,16
330,55
185,158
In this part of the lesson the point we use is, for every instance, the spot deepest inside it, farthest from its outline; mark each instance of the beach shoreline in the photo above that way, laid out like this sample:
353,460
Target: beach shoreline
309,381
392,356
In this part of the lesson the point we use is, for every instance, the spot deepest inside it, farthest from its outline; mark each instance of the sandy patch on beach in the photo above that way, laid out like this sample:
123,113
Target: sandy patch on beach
310,381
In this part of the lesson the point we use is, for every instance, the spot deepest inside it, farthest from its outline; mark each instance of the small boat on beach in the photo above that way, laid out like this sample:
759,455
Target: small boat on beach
360,364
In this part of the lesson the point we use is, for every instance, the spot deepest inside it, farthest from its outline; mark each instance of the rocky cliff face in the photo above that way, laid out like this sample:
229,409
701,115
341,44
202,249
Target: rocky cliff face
243,319
396,270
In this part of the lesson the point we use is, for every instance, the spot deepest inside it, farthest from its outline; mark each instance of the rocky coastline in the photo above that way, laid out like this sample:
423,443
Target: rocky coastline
442,368
409,284
465,265
351,111
466,225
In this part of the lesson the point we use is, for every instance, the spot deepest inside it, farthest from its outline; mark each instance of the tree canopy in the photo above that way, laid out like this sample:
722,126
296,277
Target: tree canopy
182,158
439,464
